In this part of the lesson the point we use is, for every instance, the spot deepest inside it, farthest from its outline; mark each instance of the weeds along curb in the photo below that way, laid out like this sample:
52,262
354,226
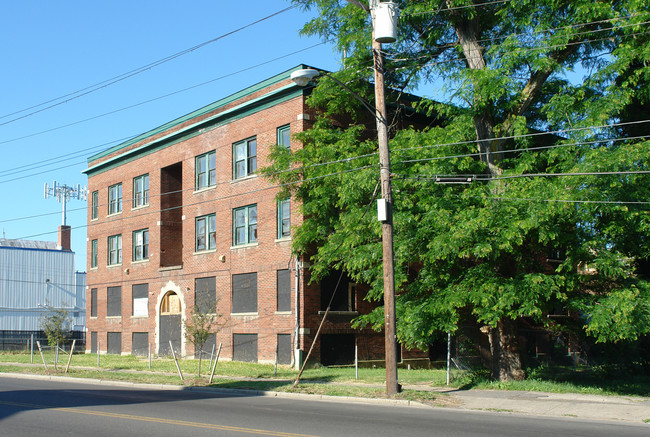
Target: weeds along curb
230,391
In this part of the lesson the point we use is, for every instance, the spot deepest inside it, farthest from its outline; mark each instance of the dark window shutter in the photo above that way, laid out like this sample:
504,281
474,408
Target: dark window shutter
284,290
244,293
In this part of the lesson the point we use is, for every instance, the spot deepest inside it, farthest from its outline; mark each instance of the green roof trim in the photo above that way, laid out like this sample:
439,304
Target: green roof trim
247,108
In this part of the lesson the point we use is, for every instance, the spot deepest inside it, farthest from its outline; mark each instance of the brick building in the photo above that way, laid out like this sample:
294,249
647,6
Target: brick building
178,216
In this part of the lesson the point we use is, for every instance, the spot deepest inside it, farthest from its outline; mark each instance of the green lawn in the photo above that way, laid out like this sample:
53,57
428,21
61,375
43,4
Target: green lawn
370,383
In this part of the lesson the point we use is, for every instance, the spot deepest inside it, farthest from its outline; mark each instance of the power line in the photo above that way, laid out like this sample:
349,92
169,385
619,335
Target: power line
88,90
164,96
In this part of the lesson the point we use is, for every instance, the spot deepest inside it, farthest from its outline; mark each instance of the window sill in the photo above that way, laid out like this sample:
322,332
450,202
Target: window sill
113,266
244,246
94,268
340,313
136,208
114,214
167,268
203,252
283,313
204,189
283,240
255,314
140,261
113,317
244,178
140,317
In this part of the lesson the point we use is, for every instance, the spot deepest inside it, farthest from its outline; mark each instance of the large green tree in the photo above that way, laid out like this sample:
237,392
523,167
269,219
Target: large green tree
540,104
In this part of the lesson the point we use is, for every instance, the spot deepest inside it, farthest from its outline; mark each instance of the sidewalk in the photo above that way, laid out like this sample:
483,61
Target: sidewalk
568,405
618,408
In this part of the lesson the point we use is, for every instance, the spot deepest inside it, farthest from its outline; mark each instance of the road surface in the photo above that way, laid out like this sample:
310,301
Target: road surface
31,407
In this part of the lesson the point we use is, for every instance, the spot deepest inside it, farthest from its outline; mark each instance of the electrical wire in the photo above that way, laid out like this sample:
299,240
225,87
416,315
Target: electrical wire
101,85
135,105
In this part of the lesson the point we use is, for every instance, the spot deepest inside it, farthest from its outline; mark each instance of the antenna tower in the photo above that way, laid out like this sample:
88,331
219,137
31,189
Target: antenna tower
64,193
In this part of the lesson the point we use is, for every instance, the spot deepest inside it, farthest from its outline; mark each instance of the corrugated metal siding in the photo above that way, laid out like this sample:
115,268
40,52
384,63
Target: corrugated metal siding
30,279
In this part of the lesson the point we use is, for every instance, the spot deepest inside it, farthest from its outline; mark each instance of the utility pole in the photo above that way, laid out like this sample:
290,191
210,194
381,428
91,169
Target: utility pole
386,202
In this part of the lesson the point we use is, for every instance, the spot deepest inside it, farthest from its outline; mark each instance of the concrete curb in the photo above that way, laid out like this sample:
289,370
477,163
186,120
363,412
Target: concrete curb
528,404
231,391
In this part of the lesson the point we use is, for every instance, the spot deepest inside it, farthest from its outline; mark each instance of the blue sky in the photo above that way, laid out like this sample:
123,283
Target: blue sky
53,49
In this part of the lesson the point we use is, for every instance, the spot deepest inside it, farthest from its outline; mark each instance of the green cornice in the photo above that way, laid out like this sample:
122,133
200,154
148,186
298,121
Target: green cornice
247,108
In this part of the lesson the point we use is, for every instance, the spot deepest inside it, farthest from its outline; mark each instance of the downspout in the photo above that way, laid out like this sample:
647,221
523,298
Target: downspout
296,339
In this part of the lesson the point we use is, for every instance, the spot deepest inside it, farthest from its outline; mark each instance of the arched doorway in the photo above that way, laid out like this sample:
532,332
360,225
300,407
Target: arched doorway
170,324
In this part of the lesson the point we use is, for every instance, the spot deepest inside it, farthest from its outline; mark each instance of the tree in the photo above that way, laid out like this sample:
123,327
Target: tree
202,321
55,323
552,171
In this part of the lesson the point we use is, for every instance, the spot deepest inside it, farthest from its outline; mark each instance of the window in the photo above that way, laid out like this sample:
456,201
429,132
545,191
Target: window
114,250
93,342
244,347
206,236
284,218
245,158
244,293
114,340
284,136
140,344
284,348
141,191
171,304
205,295
245,225
141,245
93,302
115,199
93,254
94,209
114,302
284,290
140,300
340,295
205,169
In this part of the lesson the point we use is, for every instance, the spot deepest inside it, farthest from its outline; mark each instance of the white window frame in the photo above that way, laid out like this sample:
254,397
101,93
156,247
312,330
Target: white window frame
94,248
141,245
208,232
284,216
94,208
141,194
208,177
282,140
247,223
244,158
115,199
115,250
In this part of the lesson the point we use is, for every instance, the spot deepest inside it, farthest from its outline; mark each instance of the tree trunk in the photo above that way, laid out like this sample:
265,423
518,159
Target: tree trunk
504,346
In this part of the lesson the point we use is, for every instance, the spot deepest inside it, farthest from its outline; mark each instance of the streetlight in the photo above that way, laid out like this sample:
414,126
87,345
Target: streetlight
384,28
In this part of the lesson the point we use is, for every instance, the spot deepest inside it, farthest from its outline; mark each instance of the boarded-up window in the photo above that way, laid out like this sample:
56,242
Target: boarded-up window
284,348
114,302
93,342
114,345
244,347
93,302
140,300
210,346
244,293
205,294
284,290
140,343
171,304
337,349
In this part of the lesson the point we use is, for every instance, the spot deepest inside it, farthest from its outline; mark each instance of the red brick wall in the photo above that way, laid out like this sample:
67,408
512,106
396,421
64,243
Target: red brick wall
178,228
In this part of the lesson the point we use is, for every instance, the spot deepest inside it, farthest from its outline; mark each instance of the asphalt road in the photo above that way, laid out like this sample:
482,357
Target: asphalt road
57,408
